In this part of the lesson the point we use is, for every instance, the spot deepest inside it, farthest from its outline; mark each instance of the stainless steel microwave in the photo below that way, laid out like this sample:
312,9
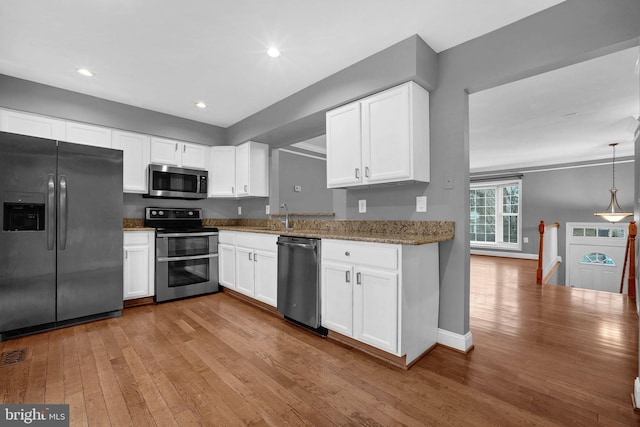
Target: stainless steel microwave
178,183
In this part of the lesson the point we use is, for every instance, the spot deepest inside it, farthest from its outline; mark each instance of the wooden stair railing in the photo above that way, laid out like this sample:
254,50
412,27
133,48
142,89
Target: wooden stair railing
550,269
540,252
630,257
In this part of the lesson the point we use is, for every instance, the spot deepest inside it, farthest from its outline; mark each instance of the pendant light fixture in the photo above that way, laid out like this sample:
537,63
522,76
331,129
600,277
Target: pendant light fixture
614,212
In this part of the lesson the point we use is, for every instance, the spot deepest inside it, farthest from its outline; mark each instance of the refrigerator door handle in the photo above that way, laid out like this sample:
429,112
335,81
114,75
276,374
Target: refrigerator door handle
51,211
64,213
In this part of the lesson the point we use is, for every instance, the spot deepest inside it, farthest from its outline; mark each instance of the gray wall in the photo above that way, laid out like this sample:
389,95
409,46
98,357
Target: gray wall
311,175
571,32
134,205
37,98
570,195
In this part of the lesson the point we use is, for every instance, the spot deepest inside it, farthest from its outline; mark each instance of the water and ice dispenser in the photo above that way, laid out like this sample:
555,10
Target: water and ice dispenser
23,211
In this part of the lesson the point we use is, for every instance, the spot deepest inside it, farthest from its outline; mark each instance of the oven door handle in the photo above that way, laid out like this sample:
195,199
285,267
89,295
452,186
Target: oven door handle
185,258
196,234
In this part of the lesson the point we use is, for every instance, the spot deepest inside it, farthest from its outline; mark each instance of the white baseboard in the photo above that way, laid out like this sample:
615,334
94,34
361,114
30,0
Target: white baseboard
455,341
504,254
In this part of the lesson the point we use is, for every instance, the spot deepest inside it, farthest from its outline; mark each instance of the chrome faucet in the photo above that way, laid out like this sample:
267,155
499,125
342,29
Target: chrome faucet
286,216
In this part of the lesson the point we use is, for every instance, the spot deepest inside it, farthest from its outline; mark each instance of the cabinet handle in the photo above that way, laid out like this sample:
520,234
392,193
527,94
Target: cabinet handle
232,190
184,148
176,147
358,173
245,188
250,256
366,171
126,254
347,254
348,278
255,257
358,278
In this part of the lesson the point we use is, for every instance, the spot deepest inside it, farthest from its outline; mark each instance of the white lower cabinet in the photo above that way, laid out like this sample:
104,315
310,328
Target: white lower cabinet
383,295
139,264
227,265
248,263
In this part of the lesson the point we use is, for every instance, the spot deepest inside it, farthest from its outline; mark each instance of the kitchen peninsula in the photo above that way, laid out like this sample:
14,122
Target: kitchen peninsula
390,308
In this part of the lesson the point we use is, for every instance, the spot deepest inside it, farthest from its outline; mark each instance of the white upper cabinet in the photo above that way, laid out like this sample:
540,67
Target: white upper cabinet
383,138
136,154
252,169
344,146
165,151
177,153
81,133
240,171
194,155
32,125
222,171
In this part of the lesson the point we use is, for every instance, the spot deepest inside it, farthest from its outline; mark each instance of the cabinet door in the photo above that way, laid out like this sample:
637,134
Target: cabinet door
32,125
194,155
245,271
337,297
135,159
258,169
80,133
222,171
344,149
242,170
165,151
136,272
375,310
386,136
227,265
266,277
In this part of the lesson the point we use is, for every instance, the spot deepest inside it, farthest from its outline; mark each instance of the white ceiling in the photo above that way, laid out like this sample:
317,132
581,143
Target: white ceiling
564,116
165,55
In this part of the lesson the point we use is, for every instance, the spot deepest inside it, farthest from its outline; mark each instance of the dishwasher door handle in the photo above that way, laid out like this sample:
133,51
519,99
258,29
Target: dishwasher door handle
296,245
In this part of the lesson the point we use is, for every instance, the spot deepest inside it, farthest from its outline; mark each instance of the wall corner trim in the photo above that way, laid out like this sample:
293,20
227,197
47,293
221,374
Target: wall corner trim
459,342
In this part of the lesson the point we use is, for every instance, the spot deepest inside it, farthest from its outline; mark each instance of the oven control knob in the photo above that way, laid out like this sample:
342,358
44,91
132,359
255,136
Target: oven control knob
190,213
153,213
161,213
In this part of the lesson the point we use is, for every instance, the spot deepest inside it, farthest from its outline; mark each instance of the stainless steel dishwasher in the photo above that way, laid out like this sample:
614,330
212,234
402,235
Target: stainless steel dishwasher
299,281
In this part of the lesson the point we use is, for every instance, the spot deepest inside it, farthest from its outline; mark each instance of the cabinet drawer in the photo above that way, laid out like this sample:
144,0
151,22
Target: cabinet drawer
377,255
136,237
228,237
257,241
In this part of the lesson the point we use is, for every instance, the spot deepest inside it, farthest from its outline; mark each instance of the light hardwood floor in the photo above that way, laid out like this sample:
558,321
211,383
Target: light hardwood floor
543,356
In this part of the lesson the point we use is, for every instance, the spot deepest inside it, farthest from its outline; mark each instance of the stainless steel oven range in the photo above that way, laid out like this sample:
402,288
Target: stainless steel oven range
186,253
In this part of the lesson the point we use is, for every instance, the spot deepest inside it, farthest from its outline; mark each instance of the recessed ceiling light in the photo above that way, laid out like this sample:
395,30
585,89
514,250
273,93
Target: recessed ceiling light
201,104
273,52
84,72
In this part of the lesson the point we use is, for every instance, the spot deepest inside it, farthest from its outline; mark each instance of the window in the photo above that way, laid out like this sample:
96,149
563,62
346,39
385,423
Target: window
495,214
597,258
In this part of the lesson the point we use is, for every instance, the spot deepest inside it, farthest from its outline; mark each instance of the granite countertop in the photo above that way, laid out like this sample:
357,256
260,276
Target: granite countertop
393,232
135,224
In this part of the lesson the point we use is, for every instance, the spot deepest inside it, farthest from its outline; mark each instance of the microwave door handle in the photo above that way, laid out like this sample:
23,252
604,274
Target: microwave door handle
51,211
64,212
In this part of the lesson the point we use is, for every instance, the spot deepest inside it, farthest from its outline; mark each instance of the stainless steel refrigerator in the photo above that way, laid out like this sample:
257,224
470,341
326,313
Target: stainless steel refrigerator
61,241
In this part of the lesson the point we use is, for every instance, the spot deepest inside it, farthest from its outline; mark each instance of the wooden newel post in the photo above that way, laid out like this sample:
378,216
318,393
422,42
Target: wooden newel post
539,270
631,284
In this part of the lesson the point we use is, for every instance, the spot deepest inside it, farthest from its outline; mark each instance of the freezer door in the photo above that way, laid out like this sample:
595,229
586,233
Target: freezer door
27,250
90,257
